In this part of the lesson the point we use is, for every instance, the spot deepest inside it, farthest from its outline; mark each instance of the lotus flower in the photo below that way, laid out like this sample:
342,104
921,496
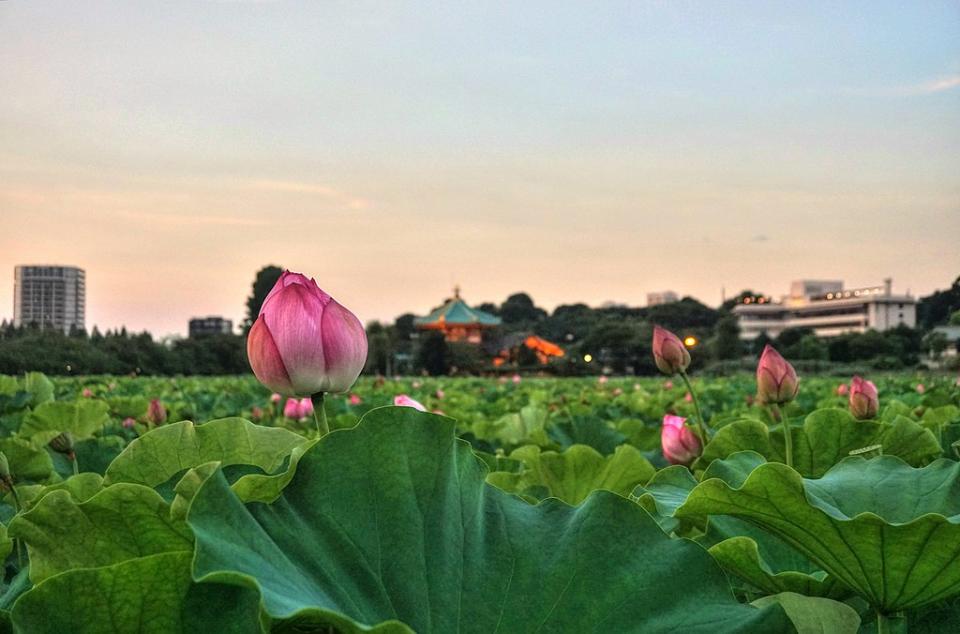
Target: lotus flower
355,400
864,402
128,423
256,413
275,398
515,379
439,393
777,381
292,409
920,388
402,400
87,392
602,380
669,353
679,442
842,389
304,342
156,413
668,385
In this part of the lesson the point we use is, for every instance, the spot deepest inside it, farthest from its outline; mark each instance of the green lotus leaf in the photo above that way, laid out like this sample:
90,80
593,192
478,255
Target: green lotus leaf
813,615
888,531
6,544
666,491
81,488
575,473
82,418
39,387
147,595
164,452
27,462
391,525
124,521
826,437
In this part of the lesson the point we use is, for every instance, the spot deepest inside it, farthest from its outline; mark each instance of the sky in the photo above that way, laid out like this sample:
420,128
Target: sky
581,152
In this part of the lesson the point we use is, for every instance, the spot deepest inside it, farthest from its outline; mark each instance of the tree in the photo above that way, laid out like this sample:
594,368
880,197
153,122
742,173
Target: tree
262,284
520,309
937,308
726,341
432,355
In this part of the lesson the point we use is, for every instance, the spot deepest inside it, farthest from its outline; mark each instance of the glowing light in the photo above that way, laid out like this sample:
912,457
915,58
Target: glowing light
829,295
690,341
588,357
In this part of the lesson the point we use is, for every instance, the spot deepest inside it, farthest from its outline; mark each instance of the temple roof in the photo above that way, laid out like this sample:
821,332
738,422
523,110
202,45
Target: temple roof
456,313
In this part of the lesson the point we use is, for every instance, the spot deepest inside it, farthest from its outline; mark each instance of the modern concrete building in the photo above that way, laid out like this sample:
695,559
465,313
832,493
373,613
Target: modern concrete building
49,296
827,308
663,297
214,325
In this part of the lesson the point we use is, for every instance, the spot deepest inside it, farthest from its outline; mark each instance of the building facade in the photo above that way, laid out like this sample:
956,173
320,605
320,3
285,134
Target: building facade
828,309
50,297
662,297
458,321
213,325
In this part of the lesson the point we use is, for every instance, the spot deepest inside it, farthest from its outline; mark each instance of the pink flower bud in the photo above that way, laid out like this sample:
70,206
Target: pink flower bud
256,413
128,423
304,408
292,409
669,353
355,400
602,379
87,392
439,394
617,391
680,444
156,413
688,397
275,398
777,381
402,400
515,378
304,342
864,402
668,385
920,388
842,389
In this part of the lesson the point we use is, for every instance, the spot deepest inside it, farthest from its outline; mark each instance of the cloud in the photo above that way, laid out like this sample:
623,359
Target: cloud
334,195
932,87
192,219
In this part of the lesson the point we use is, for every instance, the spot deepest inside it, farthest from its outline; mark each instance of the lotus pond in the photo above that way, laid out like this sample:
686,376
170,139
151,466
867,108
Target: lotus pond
135,504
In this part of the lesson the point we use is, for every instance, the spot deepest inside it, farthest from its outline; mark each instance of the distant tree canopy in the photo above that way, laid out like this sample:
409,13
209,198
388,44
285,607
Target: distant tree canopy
262,284
936,309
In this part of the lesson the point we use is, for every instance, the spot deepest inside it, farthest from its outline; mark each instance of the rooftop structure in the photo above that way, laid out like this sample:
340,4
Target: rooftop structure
457,320
213,325
827,308
49,296
662,297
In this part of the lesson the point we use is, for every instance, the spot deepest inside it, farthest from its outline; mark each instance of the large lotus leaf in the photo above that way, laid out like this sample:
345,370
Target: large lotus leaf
147,595
812,615
887,530
39,387
27,462
82,418
525,426
96,454
81,488
575,473
826,437
391,523
124,521
666,491
587,430
159,455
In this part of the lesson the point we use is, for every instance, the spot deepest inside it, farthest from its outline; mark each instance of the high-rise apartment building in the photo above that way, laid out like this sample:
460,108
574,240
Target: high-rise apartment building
49,296
214,325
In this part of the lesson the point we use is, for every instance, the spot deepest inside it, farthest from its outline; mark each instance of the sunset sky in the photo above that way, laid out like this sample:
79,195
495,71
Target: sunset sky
577,151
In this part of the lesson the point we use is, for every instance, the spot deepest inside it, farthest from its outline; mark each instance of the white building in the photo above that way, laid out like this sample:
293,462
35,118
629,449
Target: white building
49,296
663,297
828,309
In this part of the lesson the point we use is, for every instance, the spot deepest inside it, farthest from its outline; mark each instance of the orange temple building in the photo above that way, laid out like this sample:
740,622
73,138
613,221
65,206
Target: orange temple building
458,321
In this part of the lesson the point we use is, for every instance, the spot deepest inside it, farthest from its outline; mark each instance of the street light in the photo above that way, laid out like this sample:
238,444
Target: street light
690,341
588,357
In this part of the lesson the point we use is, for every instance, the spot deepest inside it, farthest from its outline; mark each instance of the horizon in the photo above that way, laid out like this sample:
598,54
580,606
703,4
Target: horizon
578,154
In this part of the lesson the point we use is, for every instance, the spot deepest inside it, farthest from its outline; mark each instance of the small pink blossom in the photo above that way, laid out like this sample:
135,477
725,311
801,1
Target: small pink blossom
602,380
679,443
402,400
515,379
688,397
256,413
667,385
355,400
275,398
843,389
128,423
618,391
439,394
87,392
920,388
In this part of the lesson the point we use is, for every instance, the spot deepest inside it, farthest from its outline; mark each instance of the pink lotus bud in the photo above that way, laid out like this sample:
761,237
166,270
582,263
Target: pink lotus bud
680,444
688,397
304,342
128,423
668,385
920,388
618,391
439,394
669,353
304,408
602,380
292,409
515,378
842,389
402,400
355,400
256,413
87,392
275,398
417,385
156,413
777,381
864,402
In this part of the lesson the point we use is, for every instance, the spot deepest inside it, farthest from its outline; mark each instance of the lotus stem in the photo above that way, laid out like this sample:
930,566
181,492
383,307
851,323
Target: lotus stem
787,434
323,428
701,424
